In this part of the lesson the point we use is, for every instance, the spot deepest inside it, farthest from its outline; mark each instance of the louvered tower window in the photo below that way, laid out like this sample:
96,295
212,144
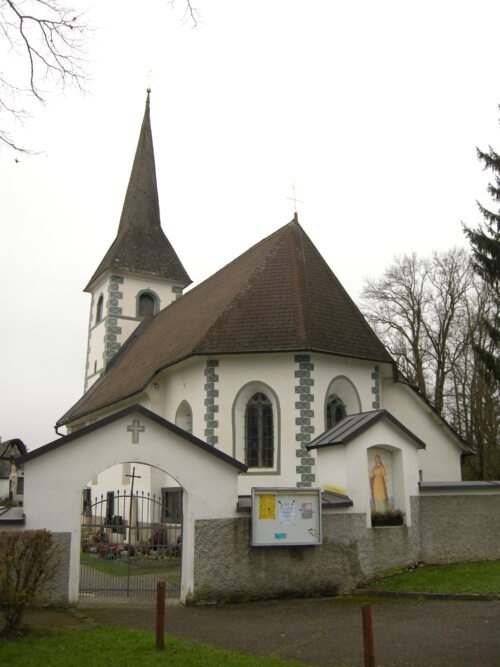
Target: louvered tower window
147,305
259,432
335,410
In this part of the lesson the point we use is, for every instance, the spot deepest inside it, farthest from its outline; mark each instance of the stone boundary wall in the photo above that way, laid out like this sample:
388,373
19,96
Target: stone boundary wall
59,589
460,527
444,529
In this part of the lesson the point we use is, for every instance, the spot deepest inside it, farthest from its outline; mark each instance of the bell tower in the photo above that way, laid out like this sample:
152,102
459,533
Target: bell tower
140,273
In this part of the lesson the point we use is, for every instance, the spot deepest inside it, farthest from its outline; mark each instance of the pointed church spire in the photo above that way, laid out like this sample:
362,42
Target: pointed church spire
141,207
141,245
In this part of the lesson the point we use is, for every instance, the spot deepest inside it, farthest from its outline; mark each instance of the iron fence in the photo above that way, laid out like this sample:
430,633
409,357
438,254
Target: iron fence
128,542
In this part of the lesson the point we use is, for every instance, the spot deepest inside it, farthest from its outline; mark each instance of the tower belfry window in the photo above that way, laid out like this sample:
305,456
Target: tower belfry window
98,315
146,305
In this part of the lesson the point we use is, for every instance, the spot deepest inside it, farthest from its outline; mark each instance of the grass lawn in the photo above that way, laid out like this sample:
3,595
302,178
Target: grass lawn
119,568
473,577
118,647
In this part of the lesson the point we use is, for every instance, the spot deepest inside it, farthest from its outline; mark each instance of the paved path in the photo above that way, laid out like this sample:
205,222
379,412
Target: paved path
408,633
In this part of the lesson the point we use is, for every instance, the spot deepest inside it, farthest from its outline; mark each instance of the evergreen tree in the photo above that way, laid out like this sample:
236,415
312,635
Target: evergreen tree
485,242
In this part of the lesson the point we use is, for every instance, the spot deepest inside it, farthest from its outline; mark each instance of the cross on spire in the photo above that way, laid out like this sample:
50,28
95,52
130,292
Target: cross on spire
295,200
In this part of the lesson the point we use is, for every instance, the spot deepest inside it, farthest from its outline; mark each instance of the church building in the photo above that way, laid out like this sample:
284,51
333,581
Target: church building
269,361
248,437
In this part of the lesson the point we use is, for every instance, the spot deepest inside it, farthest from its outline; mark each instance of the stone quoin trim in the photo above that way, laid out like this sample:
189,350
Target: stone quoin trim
112,330
304,383
376,388
177,290
211,407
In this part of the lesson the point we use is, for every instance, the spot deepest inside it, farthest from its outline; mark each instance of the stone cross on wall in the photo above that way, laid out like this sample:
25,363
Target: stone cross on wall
135,428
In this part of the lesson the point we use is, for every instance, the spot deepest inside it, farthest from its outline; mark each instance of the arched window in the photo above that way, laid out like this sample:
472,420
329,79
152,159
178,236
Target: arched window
184,417
335,410
146,305
98,312
259,432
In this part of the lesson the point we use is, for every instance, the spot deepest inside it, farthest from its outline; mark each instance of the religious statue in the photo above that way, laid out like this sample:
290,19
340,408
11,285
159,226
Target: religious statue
378,486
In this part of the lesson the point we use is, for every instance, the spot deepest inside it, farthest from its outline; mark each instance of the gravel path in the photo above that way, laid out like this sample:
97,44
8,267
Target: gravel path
410,633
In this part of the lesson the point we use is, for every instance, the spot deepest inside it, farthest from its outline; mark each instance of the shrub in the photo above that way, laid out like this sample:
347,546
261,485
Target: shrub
28,562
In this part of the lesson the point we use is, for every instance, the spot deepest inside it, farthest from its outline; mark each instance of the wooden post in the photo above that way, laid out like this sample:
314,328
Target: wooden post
160,614
366,611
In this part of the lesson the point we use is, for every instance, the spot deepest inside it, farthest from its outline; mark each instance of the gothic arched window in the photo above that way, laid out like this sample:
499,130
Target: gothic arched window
259,432
98,314
146,306
335,410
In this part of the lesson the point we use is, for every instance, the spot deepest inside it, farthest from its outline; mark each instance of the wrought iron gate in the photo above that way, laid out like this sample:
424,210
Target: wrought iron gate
129,541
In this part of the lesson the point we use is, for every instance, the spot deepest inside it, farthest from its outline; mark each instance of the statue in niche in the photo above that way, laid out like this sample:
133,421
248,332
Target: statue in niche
380,483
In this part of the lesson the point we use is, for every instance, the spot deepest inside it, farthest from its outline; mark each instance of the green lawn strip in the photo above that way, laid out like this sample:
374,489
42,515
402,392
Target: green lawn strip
119,647
119,568
474,577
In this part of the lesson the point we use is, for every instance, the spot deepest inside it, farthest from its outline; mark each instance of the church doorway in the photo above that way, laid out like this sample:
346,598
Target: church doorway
131,537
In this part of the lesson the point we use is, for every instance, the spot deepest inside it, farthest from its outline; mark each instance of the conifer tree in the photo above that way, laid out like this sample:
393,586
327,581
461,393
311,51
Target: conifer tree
485,243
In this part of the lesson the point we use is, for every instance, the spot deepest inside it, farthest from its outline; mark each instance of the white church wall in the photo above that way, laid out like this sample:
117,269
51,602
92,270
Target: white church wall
440,461
241,377
97,332
201,475
183,382
331,469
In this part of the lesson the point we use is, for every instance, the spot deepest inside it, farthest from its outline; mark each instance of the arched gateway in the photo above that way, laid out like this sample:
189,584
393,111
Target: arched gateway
56,473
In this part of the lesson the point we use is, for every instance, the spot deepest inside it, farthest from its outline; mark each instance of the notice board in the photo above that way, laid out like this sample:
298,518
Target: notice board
286,516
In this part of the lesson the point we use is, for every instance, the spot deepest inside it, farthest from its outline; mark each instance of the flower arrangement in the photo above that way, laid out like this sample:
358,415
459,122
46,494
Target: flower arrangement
390,518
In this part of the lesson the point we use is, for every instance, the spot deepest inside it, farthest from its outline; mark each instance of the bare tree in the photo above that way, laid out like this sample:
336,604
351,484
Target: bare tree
395,305
191,13
418,307
430,313
44,45
450,278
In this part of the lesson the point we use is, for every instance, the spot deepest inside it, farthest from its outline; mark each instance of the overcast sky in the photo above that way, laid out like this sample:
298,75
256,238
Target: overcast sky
374,109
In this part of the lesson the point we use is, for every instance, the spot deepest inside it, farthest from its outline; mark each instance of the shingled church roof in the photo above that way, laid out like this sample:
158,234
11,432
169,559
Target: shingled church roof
280,295
141,245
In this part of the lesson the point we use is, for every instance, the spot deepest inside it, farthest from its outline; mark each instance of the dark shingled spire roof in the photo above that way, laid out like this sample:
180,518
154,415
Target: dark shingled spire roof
280,295
141,245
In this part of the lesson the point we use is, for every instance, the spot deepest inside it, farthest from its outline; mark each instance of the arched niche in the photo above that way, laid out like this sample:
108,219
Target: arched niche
184,417
341,392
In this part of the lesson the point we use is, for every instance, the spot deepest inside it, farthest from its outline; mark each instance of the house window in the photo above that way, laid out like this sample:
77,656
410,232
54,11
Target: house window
259,432
335,410
146,306
98,315
172,504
